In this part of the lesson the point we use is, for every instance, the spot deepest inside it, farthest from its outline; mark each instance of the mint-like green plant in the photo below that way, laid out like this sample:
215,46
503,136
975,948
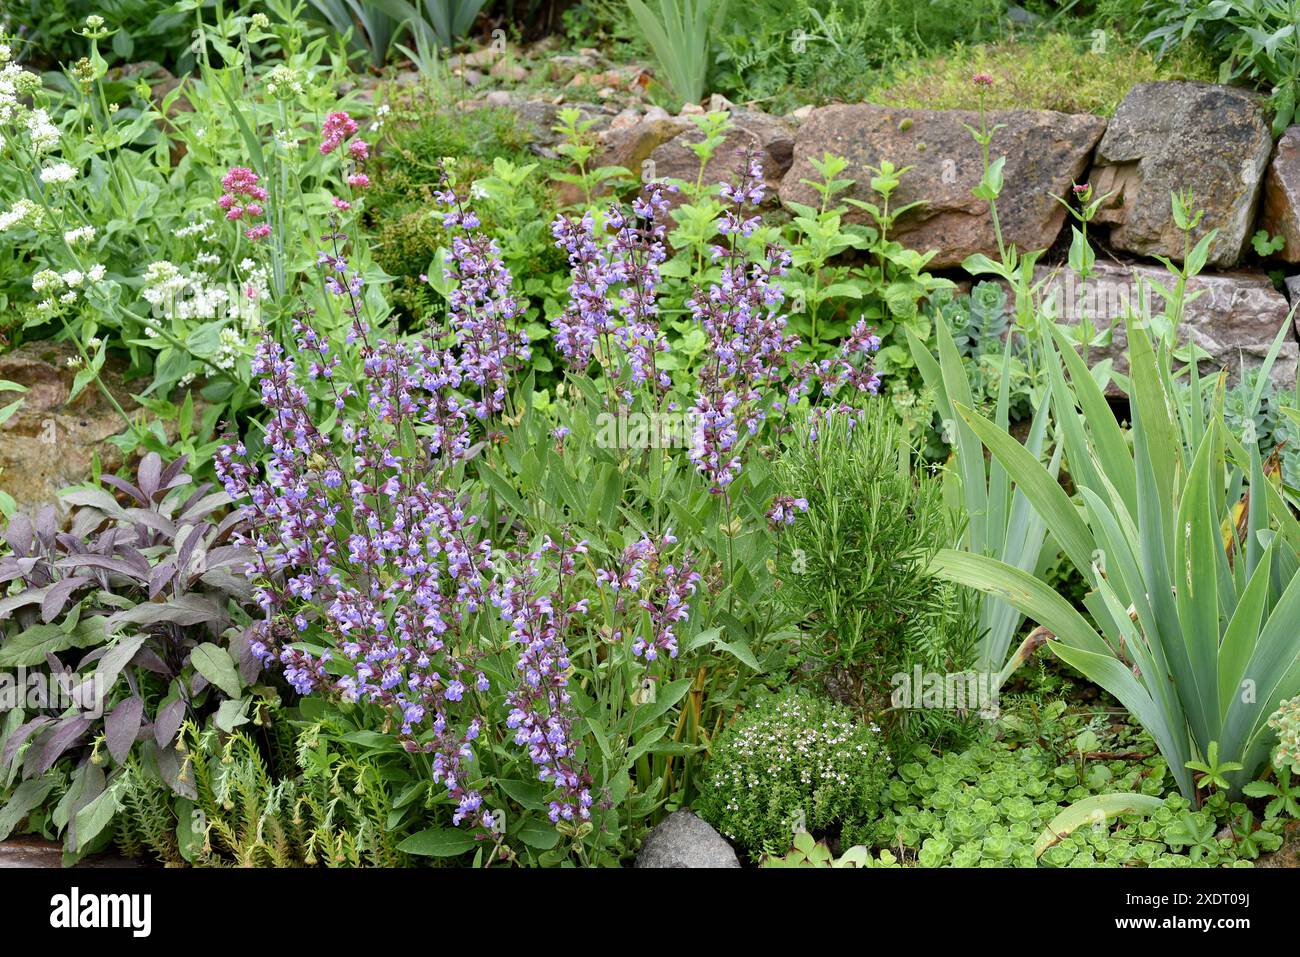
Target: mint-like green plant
1283,794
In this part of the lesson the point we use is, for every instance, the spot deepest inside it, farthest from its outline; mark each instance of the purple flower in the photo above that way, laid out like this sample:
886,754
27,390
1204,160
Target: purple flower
783,510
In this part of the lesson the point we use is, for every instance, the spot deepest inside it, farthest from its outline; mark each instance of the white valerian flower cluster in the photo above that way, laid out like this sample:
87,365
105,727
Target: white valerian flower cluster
23,211
44,135
284,82
201,228
62,289
237,338
179,294
15,83
59,173
82,234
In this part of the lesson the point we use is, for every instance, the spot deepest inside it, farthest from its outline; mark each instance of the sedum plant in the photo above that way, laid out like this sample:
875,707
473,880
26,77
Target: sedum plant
132,618
1286,722
808,852
1190,553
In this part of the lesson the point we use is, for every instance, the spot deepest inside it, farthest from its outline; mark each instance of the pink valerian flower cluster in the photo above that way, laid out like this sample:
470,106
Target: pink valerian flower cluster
659,586
482,307
540,708
339,126
244,200
626,266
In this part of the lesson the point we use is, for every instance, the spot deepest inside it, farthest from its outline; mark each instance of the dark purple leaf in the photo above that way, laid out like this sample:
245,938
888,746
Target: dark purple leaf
250,666
168,722
20,736
91,781
186,610
65,736
148,659
127,553
190,537
57,595
161,576
154,520
150,475
121,727
117,658
228,555
196,510
124,486
172,475
47,524
90,497
228,524
118,566
32,596
229,583
19,534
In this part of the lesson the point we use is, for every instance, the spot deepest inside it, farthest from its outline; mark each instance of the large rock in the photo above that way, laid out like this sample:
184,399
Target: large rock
49,443
1234,316
770,138
683,840
1046,153
631,142
1170,136
1280,214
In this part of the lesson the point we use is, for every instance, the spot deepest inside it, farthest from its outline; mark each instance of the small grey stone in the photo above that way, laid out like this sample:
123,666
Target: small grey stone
683,840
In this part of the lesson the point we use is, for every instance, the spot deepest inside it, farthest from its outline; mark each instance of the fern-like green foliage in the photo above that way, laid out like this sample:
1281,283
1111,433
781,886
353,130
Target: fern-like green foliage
330,810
